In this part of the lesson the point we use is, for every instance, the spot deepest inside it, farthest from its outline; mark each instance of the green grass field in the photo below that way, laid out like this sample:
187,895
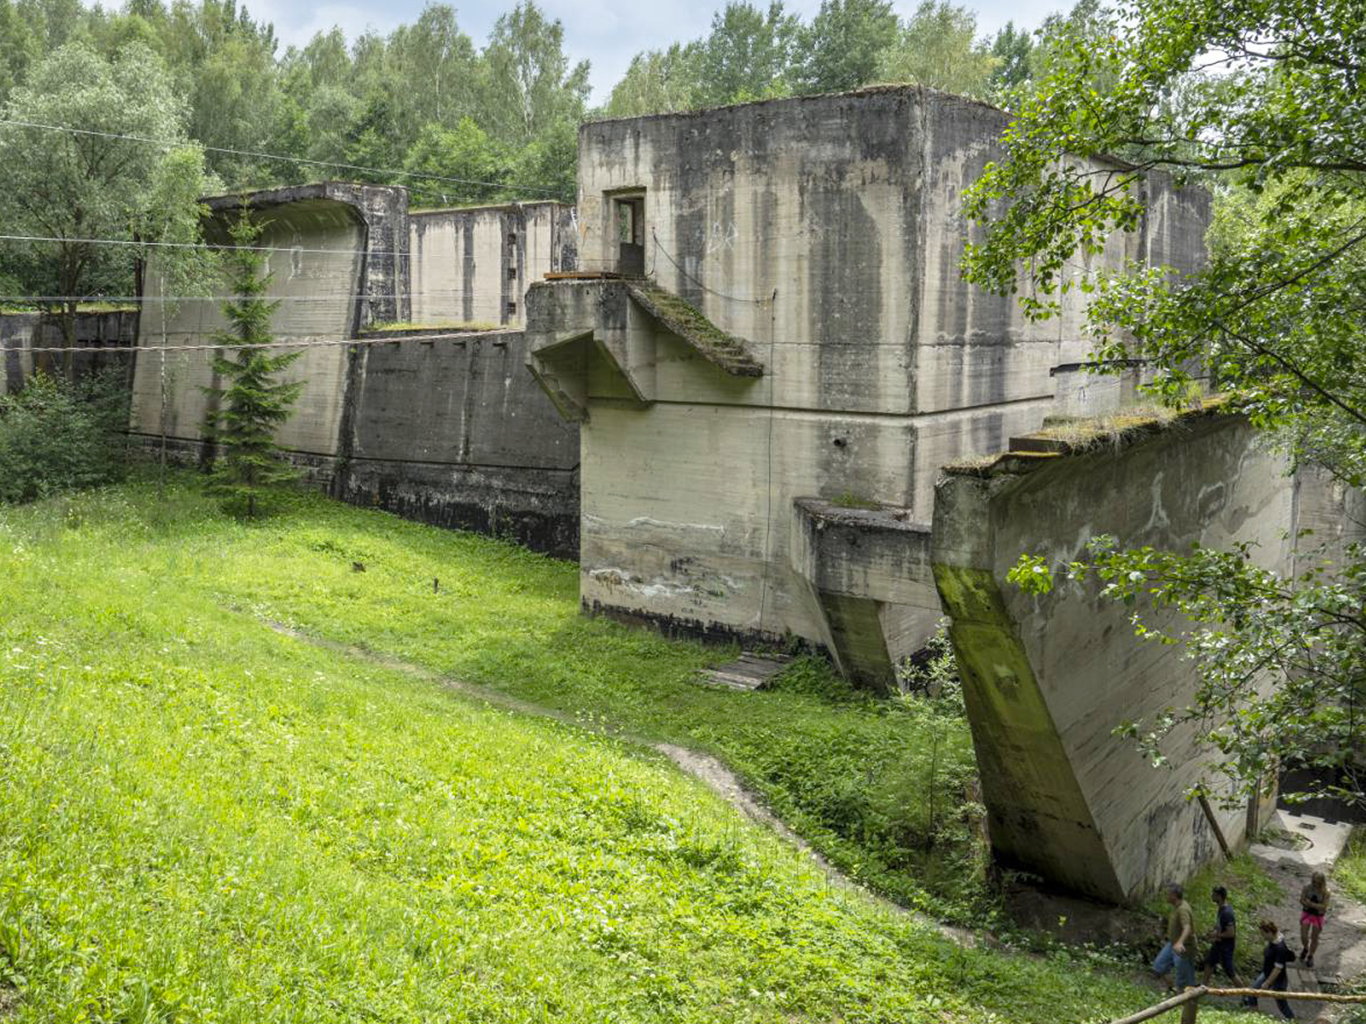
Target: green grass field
205,820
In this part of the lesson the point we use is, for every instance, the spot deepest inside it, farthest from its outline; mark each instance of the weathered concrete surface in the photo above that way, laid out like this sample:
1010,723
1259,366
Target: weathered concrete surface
1046,679
825,232
20,333
869,569
304,211
475,264
453,431
322,275
446,428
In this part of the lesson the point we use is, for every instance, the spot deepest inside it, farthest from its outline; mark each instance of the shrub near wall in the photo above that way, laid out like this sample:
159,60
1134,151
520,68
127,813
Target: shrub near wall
56,435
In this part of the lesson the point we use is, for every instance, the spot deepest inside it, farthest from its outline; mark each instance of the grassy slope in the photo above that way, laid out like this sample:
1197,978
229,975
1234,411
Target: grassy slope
1350,871
205,820
850,773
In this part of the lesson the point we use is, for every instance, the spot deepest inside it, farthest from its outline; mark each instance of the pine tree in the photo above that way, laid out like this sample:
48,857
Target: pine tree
254,401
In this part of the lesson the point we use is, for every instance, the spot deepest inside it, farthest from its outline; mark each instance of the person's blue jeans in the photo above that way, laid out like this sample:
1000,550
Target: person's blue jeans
1169,958
1281,1004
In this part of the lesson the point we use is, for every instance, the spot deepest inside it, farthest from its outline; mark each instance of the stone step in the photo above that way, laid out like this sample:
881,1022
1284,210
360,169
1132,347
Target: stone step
748,672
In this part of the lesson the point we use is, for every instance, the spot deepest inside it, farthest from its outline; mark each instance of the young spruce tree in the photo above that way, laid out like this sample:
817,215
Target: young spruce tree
253,401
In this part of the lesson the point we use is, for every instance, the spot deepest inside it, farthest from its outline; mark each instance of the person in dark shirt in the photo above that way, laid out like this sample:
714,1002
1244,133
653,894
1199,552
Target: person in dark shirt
1223,939
1275,959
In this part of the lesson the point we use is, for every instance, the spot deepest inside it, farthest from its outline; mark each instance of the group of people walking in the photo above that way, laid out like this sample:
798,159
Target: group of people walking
1178,959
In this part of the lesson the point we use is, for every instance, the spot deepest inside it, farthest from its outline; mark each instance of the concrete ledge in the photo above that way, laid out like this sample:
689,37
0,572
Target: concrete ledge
866,565
610,338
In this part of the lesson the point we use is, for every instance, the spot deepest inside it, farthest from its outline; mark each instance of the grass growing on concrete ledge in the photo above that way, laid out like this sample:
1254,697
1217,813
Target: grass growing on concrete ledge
685,320
208,821
405,326
81,307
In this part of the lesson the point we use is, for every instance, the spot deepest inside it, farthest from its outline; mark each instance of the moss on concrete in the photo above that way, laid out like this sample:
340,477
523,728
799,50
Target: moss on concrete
407,327
680,316
1083,436
1045,825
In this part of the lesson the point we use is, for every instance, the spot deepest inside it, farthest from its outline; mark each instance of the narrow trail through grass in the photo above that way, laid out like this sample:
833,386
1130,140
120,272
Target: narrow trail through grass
705,768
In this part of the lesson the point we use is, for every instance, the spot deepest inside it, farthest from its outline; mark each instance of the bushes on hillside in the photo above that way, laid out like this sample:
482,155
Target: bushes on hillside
56,435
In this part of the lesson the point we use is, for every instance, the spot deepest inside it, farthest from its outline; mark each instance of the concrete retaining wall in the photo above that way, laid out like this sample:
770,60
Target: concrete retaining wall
21,332
1047,679
446,428
453,431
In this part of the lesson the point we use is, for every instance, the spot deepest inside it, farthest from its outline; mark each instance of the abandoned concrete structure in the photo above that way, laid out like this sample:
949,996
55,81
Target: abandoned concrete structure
837,362
20,333
1046,679
442,425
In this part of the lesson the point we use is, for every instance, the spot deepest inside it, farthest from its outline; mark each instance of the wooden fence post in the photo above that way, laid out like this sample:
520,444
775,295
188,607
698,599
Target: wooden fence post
1190,1010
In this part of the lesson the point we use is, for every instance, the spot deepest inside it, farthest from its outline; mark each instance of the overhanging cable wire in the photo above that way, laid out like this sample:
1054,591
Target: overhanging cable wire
16,300
167,144
437,335
201,245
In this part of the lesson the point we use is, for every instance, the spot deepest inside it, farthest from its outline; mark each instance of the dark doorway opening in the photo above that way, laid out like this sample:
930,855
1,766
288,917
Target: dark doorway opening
630,225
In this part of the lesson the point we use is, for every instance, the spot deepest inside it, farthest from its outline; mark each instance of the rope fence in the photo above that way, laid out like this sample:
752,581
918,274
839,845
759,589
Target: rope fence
1189,1001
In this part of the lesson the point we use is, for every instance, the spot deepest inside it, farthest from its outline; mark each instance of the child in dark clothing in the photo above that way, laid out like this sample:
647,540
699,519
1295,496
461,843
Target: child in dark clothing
1274,960
1223,939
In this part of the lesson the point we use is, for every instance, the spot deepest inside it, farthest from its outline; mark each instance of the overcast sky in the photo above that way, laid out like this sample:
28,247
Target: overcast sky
607,33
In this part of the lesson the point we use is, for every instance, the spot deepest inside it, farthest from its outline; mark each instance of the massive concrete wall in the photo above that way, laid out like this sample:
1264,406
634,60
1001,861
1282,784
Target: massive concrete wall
446,428
1046,679
825,232
20,333
475,264
453,431
331,274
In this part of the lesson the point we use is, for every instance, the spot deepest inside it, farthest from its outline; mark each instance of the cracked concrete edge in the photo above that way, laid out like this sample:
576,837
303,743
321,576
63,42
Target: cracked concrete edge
705,768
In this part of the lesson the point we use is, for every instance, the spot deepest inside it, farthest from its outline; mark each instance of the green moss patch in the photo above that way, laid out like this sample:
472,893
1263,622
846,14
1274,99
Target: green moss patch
678,315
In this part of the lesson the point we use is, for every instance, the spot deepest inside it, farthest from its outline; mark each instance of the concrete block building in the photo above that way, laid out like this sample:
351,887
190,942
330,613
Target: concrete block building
474,264
787,353
1046,678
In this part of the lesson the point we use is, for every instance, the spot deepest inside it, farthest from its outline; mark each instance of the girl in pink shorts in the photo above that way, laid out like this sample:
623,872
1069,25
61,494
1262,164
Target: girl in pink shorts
1314,900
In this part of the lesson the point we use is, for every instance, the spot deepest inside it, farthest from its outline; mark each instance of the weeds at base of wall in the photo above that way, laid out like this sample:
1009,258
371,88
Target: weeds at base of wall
56,435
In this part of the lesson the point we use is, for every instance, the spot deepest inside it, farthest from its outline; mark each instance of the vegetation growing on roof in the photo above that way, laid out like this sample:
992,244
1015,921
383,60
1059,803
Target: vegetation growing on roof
1069,436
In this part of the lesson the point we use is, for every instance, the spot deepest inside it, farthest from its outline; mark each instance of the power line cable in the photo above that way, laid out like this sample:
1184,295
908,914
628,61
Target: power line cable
396,253
166,144
460,336
134,299
711,291
203,245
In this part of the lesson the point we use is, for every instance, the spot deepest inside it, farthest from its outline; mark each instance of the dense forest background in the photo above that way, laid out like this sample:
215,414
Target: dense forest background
114,122
501,119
